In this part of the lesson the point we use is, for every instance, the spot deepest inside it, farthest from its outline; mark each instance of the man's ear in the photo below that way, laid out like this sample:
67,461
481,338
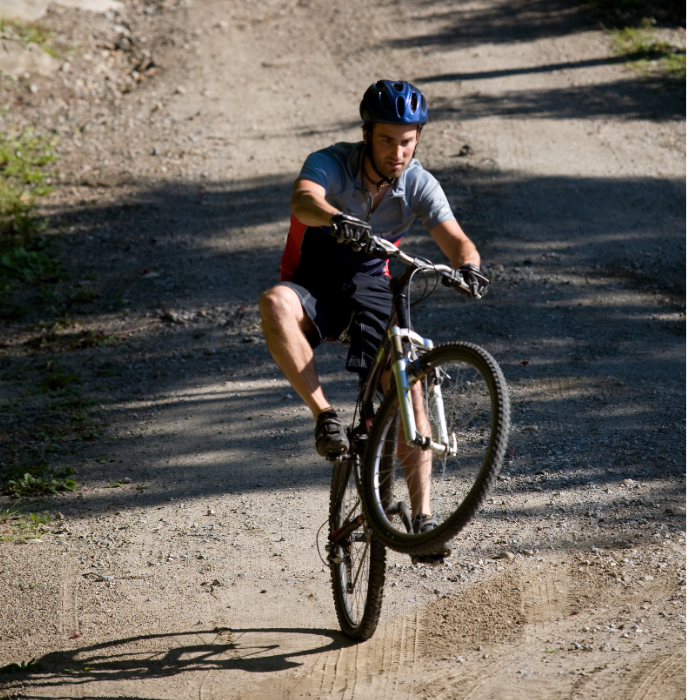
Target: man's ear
364,134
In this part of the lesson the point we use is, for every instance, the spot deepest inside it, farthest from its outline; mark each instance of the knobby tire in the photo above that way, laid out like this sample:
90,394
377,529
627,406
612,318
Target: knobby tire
481,418
364,562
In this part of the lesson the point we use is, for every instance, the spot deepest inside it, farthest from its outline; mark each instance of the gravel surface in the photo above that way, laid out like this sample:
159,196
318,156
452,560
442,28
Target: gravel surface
185,564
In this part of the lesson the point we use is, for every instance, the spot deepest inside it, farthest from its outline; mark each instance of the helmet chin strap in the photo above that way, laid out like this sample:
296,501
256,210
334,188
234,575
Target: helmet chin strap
370,154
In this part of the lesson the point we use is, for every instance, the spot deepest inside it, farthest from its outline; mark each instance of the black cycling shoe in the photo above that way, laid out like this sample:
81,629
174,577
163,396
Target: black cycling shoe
425,523
330,435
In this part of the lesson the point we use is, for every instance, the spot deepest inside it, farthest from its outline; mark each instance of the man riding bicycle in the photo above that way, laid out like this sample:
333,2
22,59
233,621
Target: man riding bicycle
330,290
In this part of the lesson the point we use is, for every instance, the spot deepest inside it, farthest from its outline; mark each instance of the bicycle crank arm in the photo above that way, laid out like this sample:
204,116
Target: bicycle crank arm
344,530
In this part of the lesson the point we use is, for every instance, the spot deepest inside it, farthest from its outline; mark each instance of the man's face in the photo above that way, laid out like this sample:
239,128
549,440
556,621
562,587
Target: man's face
393,146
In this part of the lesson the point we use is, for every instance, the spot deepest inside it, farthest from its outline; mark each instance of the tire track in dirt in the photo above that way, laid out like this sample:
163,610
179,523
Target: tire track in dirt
69,578
546,599
663,681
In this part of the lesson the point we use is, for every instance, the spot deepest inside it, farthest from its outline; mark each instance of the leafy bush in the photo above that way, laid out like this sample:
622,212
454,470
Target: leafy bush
40,484
32,666
28,266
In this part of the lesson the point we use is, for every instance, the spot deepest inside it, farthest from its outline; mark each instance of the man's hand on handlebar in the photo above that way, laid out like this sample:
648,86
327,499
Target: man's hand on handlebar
473,277
350,230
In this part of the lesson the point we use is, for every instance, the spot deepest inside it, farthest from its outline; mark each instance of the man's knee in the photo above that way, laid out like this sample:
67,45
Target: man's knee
280,304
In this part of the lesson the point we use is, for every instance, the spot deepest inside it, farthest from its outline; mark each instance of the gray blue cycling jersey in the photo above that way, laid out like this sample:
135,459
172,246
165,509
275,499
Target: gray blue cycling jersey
310,251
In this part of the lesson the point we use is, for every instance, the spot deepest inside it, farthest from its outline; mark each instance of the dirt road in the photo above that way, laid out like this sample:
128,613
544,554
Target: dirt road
195,574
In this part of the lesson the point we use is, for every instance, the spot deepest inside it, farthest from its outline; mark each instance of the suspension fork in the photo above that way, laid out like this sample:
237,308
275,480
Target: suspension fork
401,366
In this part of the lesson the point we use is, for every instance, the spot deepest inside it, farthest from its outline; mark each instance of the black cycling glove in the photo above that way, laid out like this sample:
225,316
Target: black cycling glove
350,230
475,278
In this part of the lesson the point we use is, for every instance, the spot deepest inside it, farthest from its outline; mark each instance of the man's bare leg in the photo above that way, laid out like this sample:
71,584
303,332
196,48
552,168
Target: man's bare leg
284,324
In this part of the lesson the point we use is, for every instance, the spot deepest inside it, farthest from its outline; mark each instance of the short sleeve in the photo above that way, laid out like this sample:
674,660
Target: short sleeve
429,202
324,169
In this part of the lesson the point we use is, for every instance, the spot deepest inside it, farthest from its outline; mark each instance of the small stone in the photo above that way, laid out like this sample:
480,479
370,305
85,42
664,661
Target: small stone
179,90
505,555
480,648
59,516
210,512
465,150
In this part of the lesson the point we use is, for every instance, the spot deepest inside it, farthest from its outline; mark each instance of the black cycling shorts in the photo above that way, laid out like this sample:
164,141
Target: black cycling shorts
357,302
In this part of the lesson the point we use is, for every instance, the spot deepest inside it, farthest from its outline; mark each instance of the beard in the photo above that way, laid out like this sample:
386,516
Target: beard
382,168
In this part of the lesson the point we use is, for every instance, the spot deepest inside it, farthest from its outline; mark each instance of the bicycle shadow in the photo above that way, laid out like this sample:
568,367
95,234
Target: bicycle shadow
253,650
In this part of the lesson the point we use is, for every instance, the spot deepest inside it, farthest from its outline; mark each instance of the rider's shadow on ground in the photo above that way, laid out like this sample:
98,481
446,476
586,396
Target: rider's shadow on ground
255,650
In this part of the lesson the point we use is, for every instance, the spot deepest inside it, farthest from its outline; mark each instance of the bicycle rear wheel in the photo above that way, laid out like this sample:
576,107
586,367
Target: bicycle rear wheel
473,413
357,560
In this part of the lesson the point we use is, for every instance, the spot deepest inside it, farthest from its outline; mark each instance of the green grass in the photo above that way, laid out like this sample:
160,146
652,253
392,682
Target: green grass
24,178
27,33
634,28
16,526
26,256
648,55
61,419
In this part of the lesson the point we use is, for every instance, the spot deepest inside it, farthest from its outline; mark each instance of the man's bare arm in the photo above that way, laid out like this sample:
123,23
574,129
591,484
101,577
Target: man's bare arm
309,203
455,244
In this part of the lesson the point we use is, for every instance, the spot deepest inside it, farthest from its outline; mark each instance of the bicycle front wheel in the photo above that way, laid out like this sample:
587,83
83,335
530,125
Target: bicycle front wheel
357,560
460,401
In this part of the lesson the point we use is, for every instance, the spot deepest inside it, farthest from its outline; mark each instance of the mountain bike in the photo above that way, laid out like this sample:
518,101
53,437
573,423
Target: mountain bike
438,435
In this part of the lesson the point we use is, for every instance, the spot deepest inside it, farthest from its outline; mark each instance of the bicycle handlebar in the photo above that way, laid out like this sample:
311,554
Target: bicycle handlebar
383,249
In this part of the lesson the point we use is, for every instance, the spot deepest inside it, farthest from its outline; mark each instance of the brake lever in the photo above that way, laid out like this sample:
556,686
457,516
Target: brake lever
455,280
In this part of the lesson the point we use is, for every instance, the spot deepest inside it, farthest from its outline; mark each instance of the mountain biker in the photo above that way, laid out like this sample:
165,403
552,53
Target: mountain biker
330,291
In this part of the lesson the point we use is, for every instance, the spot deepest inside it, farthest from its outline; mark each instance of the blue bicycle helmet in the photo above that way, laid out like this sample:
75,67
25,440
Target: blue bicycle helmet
394,102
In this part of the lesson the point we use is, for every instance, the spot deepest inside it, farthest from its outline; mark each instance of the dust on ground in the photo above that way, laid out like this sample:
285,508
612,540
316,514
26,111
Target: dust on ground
186,565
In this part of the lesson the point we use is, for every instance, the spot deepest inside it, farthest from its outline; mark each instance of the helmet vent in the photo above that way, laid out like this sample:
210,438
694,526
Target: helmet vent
401,106
398,87
414,102
385,102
